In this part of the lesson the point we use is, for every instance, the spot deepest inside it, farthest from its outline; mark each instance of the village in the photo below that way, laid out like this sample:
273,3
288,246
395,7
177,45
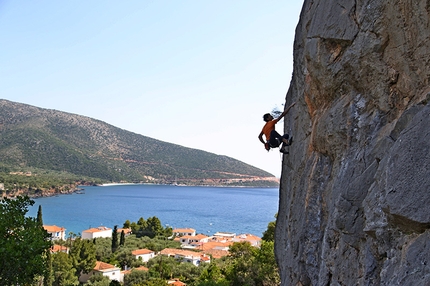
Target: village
195,248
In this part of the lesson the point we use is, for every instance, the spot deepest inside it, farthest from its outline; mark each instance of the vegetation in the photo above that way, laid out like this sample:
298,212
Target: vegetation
78,148
26,243
37,182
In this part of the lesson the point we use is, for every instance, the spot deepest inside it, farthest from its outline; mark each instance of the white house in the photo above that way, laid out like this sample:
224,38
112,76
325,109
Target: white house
186,256
56,232
143,254
224,235
252,239
184,231
194,241
100,231
106,269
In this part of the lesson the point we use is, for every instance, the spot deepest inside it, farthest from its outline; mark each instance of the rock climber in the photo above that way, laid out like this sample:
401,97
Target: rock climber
273,138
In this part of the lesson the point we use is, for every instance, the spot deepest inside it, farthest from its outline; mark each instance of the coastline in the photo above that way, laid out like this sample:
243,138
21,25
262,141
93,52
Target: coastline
77,189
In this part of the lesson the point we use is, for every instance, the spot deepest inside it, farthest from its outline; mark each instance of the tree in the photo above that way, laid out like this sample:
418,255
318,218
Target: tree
126,224
114,238
212,276
122,238
141,222
39,216
269,234
23,245
243,268
134,228
136,277
63,271
153,227
125,258
98,280
83,254
268,272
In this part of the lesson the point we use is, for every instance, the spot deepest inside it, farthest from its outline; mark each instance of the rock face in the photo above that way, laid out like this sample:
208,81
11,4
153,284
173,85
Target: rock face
355,188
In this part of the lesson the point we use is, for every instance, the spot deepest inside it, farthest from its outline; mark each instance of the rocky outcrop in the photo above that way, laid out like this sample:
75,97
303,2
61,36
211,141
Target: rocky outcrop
355,187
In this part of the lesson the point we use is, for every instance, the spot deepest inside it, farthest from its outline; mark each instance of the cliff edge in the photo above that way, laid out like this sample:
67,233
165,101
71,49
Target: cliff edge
355,187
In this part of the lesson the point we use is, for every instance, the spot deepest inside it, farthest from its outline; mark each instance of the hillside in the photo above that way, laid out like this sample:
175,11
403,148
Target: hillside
52,140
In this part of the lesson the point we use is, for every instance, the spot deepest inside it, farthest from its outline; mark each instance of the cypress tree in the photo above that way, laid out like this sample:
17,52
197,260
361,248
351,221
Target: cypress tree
122,238
39,216
114,238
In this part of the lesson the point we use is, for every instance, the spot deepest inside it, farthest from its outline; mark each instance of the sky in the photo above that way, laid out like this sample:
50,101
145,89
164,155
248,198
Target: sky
198,73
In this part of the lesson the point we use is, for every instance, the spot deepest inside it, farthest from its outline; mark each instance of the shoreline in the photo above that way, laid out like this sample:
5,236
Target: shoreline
79,189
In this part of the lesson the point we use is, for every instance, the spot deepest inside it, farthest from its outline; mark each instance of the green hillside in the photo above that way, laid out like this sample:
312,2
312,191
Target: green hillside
56,141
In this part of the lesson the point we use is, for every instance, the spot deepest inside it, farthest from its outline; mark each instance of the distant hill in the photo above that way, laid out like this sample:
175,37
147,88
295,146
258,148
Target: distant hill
51,140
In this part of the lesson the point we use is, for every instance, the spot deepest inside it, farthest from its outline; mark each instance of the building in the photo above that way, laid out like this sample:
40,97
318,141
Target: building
224,235
97,232
184,231
193,241
56,232
127,231
106,269
59,248
252,239
186,256
176,282
143,254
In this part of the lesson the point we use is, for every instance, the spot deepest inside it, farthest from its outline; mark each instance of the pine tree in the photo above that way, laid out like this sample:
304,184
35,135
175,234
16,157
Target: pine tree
83,254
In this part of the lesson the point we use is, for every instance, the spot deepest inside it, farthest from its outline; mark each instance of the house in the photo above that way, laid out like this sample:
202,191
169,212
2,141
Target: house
217,245
184,231
106,269
186,256
143,254
224,235
193,241
100,231
56,232
127,231
176,282
59,248
214,253
252,239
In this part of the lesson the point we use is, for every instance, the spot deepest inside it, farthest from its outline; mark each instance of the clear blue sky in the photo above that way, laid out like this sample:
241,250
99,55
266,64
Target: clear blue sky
195,73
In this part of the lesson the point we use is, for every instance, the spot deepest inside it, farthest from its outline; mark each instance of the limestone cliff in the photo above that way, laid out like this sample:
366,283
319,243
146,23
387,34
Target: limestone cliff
355,188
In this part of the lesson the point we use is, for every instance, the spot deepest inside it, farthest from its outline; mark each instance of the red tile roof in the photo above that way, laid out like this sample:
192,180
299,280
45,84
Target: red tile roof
53,228
184,230
216,253
100,266
59,248
126,230
141,251
98,229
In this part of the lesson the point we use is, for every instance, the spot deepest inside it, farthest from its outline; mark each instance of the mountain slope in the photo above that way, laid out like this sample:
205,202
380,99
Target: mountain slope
54,140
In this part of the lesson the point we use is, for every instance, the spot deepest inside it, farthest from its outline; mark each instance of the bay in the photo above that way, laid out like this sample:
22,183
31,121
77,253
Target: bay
206,209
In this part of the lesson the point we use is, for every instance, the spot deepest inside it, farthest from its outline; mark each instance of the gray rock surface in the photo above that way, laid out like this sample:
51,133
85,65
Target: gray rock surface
355,188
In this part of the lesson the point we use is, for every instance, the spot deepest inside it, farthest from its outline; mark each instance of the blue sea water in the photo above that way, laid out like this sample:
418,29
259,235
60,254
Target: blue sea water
206,209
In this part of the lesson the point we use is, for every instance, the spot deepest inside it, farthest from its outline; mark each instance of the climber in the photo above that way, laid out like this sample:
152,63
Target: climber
273,138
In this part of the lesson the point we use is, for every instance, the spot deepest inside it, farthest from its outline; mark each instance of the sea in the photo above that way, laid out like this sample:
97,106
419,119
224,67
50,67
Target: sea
206,209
